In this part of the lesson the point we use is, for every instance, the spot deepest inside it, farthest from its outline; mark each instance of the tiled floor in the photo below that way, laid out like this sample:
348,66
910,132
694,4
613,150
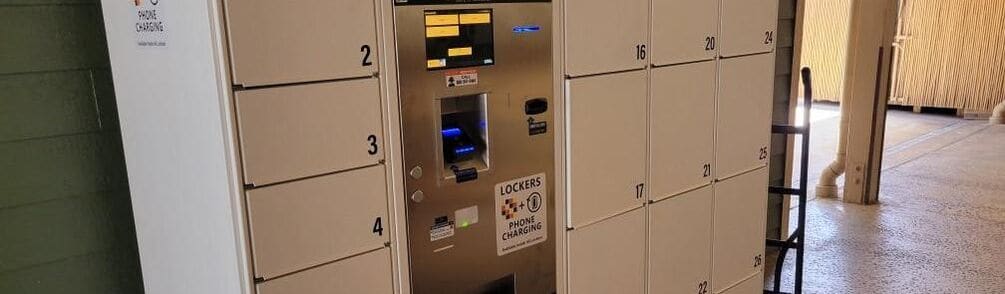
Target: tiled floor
940,226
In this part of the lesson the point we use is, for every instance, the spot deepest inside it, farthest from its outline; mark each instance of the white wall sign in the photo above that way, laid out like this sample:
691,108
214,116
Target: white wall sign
151,29
521,213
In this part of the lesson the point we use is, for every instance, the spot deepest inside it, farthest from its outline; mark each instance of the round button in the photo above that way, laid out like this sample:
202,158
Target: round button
418,196
416,172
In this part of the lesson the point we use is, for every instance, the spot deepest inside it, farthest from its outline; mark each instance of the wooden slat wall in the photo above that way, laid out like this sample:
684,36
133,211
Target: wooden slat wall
825,42
953,55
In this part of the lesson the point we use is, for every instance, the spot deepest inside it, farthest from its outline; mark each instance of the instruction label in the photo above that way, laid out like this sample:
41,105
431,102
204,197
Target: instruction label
442,228
460,78
522,214
151,31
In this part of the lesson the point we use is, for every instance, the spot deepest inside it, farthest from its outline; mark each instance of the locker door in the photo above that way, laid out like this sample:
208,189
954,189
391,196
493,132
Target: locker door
682,128
684,30
748,27
369,273
680,248
603,36
743,130
299,131
738,228
277,42
607,145
609,256
306,223
753,285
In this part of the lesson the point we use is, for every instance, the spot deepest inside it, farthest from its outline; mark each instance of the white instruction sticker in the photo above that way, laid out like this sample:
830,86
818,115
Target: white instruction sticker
150,23
460,78
442,228
521,213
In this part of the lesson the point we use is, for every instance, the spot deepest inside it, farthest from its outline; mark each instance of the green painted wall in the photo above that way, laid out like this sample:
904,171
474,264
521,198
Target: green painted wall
66,223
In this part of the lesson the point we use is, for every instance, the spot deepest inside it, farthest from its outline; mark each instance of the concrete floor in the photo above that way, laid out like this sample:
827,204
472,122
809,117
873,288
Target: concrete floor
940,227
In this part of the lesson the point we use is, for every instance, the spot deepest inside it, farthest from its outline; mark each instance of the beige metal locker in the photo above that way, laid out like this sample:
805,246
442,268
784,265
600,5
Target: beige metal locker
369,273
299,131
306,223
753,285
278,42
743,130
682,128
607,145
609,256
740,207
603,36
748,27
680,243
684,30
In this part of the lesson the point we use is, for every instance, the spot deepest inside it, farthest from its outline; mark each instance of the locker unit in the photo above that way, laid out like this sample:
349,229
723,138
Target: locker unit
255,144
682,128
748,27
608,256
476,93
292,225
607,145
753,285
739,211
684,31
680,243
277,42
743,114
298,131
365,274
603,36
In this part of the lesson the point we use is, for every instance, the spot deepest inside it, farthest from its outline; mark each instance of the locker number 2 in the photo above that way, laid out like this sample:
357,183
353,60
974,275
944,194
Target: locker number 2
640,52
365,49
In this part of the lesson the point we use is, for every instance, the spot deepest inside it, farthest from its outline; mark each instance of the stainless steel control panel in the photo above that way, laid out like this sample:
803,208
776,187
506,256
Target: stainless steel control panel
475,80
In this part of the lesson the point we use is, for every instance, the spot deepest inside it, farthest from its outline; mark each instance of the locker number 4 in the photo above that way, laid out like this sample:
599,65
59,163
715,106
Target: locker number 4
378,227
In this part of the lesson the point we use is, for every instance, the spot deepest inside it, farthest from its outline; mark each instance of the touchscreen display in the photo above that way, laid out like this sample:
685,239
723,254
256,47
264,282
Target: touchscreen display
458,38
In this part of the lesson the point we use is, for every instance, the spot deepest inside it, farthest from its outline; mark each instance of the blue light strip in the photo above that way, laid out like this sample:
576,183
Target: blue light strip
451,132
526,29
464,150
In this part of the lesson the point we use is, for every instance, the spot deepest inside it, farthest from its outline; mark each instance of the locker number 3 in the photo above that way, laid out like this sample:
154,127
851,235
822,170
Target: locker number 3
372,140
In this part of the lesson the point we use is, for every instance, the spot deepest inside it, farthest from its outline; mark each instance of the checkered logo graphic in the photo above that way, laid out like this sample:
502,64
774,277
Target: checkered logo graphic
511,207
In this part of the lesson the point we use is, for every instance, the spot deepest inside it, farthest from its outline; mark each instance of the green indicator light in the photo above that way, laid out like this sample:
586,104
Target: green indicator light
464,224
